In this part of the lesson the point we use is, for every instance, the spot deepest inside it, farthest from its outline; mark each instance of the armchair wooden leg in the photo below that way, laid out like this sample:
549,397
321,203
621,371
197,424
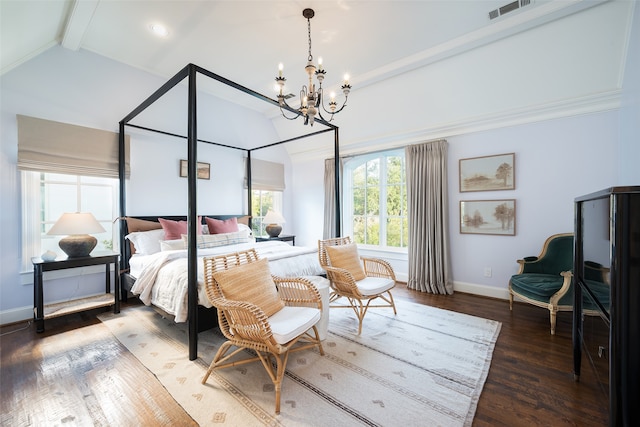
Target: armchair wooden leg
553,321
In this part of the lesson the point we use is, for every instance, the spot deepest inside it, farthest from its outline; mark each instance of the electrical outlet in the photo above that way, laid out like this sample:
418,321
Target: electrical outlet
487,272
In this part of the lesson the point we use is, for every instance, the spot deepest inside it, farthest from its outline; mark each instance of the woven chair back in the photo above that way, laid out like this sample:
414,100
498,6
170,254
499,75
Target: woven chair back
224,262
322,248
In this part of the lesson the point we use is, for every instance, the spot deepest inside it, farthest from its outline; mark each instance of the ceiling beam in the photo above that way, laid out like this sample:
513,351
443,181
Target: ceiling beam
78,22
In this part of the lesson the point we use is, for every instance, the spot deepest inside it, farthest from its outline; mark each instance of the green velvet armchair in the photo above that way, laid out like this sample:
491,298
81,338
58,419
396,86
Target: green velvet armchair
546,280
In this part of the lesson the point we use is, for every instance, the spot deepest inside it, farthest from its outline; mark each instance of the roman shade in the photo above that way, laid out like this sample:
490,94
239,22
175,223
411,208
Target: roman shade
267,176
49,146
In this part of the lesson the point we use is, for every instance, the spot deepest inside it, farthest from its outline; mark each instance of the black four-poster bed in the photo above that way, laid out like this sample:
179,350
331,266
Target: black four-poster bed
190,73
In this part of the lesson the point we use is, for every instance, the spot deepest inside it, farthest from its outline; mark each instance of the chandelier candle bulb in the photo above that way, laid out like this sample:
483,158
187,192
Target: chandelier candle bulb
280,68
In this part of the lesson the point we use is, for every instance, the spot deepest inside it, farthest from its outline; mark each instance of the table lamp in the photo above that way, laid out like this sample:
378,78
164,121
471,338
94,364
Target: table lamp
77,226
273,220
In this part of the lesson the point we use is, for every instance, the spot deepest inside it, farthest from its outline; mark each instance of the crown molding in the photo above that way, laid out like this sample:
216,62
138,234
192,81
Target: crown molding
589,104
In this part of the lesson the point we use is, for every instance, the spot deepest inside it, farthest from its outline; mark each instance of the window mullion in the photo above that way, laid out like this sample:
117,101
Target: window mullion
383,201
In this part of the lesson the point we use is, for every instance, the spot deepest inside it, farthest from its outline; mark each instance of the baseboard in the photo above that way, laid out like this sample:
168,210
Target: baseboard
483,290
16,315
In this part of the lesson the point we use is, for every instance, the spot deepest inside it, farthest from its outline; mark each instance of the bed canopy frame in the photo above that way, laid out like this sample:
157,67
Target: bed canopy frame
190,73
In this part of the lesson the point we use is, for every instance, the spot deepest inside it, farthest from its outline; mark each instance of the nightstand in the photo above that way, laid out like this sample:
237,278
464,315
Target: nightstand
44,311
281,238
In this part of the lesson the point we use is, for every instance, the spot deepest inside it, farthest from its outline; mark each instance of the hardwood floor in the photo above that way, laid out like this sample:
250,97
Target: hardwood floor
77,374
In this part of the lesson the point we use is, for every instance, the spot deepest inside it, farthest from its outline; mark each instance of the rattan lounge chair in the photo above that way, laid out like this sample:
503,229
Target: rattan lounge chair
360,280
253,315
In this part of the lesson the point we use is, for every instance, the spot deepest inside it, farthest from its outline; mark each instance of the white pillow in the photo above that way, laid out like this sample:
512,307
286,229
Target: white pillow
172,245
243,227
146,242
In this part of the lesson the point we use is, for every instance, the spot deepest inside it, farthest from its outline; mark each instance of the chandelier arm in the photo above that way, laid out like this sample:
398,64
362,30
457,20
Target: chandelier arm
322,117
291,109
341,108
321,102
289,118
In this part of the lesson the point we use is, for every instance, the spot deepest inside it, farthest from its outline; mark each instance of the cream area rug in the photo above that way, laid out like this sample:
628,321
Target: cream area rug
425,366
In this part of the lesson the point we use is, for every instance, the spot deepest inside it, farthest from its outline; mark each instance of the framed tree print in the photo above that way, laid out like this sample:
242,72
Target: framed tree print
487,173
497,217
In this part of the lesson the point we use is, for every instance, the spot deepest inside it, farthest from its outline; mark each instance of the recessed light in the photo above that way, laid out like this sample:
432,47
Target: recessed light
159,30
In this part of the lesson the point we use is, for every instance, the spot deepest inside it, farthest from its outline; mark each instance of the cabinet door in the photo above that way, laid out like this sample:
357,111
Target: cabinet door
595,336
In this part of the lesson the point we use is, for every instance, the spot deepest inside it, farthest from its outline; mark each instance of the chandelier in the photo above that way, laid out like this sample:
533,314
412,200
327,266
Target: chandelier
311,100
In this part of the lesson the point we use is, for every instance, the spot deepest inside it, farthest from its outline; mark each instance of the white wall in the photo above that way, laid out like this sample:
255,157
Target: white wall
555,162
629,172
89,90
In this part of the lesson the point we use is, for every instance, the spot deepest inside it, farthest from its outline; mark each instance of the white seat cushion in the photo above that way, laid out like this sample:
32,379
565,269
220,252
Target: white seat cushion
374,285
290,322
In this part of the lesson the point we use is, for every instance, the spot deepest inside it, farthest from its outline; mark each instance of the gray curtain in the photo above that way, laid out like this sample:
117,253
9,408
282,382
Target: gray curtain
329,229
429,266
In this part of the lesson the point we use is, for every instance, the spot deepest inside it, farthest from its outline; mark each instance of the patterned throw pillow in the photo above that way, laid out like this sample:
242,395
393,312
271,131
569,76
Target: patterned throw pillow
346,257
214,240
251,282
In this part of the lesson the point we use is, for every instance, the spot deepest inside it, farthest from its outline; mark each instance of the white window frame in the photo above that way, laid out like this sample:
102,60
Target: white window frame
350,164
32,205
256,221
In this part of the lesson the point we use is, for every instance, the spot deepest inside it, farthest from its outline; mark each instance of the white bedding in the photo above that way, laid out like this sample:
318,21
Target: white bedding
161,278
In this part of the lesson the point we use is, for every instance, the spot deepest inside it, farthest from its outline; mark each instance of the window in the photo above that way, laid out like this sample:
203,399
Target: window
376,199
261,202
46,196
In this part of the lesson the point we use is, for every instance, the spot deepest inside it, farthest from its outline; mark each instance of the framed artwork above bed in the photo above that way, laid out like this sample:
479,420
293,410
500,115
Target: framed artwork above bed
204,169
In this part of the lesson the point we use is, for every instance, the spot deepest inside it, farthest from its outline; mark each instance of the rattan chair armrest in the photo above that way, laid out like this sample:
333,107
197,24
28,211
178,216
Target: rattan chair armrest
244,319
298,291
344,275
376,267
342,282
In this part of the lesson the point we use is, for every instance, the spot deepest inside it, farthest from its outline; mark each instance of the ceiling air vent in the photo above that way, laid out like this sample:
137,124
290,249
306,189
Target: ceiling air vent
510,7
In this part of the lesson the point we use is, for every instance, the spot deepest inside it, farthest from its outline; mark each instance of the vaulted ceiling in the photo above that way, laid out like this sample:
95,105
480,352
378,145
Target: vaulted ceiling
444,66
245,40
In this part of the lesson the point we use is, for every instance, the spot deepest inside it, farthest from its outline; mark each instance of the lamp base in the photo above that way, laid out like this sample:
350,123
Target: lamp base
78,245
273,230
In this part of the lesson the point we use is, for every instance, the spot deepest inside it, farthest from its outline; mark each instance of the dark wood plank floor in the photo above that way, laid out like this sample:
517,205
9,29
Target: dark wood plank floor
77,373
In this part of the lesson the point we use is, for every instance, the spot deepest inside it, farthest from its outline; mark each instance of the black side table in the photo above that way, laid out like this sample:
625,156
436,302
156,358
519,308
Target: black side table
42,311
282,238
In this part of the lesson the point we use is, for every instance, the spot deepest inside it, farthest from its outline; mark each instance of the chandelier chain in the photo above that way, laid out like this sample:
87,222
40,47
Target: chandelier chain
309,33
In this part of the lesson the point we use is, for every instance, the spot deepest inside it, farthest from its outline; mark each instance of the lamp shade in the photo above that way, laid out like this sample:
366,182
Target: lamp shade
77,226
273,217
272,221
